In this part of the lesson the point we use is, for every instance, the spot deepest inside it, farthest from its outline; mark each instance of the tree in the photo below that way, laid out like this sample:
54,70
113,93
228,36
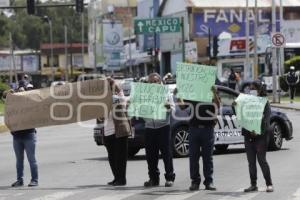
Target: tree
30,31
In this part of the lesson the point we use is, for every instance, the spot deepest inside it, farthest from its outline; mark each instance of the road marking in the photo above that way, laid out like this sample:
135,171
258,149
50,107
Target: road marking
118,195
56,196
296,195
177,196
241,195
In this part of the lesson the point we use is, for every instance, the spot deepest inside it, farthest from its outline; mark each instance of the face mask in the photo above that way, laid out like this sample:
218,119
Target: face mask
253,92
115,98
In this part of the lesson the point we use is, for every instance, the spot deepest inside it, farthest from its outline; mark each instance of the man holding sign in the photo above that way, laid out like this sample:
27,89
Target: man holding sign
195,84
151,102
253,114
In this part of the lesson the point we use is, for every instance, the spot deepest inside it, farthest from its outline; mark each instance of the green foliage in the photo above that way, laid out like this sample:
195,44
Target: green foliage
3,87
30,31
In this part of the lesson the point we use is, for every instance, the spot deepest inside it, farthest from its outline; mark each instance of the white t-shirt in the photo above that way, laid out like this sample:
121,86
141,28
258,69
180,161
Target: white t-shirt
109,128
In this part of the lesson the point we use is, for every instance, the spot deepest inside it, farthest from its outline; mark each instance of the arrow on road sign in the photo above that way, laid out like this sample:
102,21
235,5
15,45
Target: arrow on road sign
140,25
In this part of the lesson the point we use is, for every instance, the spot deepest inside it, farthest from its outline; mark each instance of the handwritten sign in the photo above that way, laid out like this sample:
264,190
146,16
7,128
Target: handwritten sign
194,81
249,111
148,101
69,103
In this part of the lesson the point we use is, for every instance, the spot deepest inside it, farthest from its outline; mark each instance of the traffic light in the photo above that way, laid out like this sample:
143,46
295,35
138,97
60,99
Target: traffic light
215,46
150,51
31,7
79,6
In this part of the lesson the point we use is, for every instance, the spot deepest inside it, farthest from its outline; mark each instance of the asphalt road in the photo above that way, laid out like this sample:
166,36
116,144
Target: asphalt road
72,167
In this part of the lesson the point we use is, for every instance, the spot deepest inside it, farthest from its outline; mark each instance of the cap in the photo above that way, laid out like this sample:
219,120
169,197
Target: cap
292,68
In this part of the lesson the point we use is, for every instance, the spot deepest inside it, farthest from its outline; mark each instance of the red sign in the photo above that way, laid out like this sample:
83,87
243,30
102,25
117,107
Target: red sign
278,40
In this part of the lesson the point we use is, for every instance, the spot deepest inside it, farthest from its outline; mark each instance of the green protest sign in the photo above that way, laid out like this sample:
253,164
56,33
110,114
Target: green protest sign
148,101
249,111
194,81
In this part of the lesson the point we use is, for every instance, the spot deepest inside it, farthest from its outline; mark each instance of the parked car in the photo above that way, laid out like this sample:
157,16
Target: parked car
227,131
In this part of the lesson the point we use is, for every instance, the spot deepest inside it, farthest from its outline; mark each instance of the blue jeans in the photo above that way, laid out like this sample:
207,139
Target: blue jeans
27,145
203,138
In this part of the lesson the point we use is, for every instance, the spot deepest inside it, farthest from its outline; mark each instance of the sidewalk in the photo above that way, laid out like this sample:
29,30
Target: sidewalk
3,128
287,105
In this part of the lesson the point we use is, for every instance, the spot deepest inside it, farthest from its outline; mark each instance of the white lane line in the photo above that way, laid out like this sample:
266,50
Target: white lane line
177,196
56,196
296,195
118,195
241,195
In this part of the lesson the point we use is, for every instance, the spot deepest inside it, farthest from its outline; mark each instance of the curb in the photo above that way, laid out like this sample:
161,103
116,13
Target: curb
3,128
285,107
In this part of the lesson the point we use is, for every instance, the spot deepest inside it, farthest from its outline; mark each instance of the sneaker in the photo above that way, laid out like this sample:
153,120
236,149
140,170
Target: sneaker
270,188
119,183
18,183
252,188
210,187
151,183
33,184
194,187
169,183
111,182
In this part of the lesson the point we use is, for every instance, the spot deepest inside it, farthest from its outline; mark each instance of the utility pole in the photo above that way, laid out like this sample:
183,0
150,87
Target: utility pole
129,35
247,65
274,60
66,53
13,63
255,67
82,40
51,41
281,69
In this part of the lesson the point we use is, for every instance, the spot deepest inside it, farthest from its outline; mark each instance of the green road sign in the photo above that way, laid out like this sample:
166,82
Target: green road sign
157,25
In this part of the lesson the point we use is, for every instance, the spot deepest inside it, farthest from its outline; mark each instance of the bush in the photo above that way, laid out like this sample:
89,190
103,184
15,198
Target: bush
3,87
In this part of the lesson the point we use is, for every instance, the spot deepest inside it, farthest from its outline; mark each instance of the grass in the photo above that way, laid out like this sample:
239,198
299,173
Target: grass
1,107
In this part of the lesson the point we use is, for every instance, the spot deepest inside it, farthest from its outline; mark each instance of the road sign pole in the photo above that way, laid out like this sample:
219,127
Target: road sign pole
274,60
183,40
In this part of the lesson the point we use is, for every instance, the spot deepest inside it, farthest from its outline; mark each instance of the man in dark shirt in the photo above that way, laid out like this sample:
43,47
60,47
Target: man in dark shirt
25,141
201,135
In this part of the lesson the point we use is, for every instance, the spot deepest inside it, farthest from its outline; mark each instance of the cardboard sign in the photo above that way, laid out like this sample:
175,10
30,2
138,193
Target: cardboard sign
64,104
194,82
249,111
148,101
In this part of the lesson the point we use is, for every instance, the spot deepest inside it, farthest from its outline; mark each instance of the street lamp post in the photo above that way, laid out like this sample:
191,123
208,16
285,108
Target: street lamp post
48,20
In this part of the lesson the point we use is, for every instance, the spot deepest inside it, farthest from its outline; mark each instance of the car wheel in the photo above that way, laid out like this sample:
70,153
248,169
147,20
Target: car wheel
222,147
132,152
275,137
181,142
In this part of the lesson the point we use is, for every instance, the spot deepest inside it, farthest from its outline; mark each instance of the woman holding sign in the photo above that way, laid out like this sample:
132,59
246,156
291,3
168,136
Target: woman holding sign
116,132
256,145
158,138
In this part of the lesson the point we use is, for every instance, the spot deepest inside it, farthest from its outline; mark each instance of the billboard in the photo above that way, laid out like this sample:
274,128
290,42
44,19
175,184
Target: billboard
30,63
237,46
112,36
232,21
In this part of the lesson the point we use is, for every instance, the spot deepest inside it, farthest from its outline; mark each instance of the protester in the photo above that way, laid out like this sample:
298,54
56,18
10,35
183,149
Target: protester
232,79
292,80
158,138
25,140
257,145
201,135
116,138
